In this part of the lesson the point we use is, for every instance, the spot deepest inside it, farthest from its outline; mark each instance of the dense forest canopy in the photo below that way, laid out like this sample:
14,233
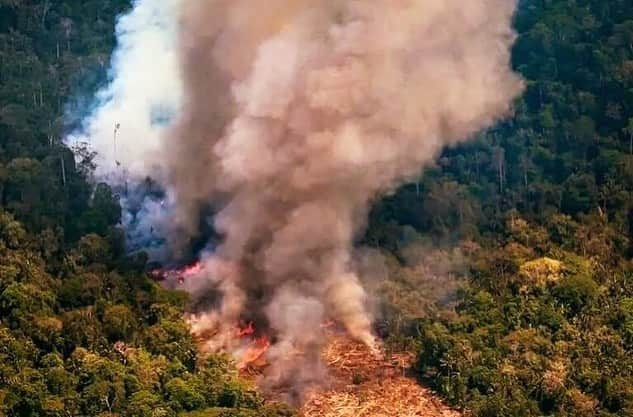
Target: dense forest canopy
540,207
83,330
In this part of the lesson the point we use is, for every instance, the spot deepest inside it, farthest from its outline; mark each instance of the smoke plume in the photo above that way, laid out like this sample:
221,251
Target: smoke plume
130,116
296,115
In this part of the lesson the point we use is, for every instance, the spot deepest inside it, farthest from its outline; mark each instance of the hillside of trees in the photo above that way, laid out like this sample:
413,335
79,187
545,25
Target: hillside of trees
539,209
83,330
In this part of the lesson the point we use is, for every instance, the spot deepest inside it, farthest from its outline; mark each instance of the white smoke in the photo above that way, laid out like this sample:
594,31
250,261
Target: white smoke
144,92
131,114
292,117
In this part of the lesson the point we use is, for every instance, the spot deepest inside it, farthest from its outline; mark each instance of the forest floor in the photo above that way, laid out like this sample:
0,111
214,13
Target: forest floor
368,385
365,384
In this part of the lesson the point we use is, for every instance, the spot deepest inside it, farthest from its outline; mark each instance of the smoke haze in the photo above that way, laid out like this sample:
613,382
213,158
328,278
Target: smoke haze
145,89
293,117
131,113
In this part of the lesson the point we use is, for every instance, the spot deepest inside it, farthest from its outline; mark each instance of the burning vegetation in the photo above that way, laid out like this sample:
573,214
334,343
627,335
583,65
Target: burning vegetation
324,107
361,382
358,380
288,119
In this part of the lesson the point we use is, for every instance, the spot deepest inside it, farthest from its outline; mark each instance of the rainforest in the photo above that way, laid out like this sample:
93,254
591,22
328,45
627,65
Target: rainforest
501,271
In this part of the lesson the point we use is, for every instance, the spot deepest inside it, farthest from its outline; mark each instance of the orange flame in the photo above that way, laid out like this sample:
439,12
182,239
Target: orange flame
254,354
249,330
190,270
181,274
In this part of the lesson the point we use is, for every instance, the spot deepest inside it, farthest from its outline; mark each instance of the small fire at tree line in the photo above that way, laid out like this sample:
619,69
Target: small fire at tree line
282,121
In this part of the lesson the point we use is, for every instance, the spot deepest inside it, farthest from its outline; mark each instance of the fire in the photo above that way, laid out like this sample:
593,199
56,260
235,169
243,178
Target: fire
190,270
254,353
249,330
180,274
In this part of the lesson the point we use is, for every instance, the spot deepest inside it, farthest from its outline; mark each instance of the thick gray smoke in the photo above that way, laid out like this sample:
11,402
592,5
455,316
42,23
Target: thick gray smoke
296,115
